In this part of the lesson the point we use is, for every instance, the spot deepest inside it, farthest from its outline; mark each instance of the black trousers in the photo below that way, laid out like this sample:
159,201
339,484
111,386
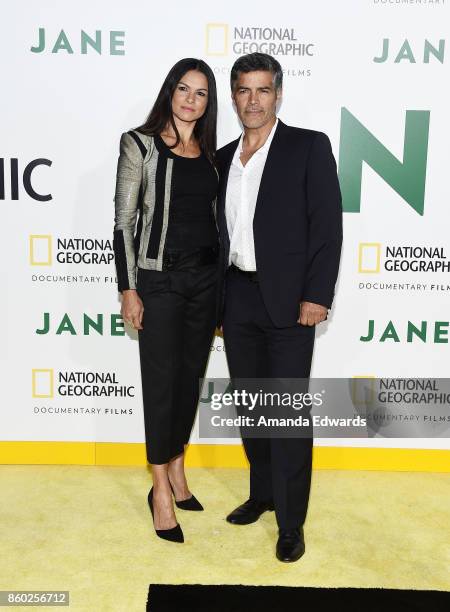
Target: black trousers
280,469
174,345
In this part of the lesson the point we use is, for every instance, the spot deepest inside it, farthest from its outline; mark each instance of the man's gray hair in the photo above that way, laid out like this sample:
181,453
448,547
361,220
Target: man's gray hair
257,61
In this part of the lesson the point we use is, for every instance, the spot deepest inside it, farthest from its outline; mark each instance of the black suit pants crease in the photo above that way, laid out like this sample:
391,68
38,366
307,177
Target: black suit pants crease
174,346
280,468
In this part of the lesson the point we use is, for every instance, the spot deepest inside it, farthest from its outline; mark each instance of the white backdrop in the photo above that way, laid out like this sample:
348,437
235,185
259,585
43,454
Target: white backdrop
67,102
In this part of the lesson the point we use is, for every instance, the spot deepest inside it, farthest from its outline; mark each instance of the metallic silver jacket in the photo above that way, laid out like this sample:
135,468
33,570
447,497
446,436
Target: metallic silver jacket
143,185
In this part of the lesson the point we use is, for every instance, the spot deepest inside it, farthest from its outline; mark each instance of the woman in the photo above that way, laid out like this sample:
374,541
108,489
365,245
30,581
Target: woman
167,269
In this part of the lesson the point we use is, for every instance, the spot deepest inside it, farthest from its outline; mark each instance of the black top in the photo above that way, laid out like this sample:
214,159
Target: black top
194,187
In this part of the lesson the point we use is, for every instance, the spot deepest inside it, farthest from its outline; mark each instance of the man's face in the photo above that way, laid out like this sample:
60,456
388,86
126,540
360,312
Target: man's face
255,98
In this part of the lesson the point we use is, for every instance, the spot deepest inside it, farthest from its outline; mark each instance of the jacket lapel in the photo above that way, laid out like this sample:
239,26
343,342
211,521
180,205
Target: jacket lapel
272,168
224,172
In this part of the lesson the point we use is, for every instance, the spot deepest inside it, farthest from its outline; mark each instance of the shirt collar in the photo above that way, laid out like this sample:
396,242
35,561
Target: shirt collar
265,146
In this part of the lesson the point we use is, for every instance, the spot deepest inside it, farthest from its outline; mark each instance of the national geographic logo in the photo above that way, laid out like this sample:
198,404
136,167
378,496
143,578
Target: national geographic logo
403,407
69,250
45,250
47,383
374,258
81,43
221,39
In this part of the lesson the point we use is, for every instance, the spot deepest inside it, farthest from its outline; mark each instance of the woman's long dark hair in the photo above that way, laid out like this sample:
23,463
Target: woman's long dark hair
161,113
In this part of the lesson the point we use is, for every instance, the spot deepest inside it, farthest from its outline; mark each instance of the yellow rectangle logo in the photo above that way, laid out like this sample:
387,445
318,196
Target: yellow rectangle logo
40,250
42,383
369,257
216,39
363,390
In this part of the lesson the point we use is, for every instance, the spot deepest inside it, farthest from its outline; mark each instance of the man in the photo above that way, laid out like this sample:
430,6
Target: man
280,221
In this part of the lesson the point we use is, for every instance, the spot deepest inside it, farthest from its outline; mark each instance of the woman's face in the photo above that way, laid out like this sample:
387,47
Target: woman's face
190,98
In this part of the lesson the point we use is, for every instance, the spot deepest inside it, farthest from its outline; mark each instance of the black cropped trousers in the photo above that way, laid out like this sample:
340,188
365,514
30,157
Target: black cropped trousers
174,346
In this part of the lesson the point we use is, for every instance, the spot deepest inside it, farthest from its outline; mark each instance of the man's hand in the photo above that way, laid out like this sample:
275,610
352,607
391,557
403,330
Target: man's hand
132,309
311,314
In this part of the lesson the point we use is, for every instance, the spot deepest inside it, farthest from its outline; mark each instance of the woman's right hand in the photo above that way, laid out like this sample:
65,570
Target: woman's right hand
132,309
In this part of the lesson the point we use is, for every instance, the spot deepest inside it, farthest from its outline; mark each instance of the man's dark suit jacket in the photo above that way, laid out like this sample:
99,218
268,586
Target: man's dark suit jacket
297,225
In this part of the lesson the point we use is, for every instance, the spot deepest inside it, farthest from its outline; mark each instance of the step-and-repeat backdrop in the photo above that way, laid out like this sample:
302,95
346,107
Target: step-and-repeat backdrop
372,74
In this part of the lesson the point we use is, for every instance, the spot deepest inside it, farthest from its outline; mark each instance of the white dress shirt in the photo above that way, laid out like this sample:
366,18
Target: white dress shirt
242,192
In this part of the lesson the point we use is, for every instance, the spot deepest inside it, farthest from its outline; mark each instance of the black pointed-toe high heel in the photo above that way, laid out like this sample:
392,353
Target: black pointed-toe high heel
191,503
172,535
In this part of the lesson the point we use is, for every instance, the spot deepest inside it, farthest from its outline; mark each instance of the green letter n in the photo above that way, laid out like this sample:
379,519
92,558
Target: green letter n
407,178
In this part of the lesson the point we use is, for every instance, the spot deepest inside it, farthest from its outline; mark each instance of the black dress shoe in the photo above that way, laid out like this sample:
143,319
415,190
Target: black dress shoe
290,545
191,503
172,535
249,512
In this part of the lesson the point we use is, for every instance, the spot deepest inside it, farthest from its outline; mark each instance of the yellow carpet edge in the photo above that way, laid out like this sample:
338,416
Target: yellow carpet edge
230,455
